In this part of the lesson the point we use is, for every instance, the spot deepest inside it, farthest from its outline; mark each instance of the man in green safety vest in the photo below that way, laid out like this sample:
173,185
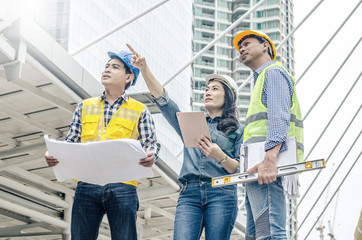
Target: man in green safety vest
273,115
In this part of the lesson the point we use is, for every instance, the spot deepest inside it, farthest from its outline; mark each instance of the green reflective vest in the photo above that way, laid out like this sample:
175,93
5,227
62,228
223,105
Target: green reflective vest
256,124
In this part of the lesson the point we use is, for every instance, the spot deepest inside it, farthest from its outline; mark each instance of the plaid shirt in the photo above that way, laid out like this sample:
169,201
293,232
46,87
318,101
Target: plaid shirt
146,125
277,98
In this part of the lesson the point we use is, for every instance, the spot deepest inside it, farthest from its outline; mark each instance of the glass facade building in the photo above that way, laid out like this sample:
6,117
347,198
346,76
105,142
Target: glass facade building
162,37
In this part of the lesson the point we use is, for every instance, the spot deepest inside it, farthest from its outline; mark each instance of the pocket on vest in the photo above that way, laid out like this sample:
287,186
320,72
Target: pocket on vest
90,126
120,128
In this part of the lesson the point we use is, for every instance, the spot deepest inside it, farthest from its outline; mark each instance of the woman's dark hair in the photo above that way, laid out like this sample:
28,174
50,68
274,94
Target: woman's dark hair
229,120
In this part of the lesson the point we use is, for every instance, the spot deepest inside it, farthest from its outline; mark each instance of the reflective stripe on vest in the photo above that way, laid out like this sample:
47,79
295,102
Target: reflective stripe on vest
256,125
123,124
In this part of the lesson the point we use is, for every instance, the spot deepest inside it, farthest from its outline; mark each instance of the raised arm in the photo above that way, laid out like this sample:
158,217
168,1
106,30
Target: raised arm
153,84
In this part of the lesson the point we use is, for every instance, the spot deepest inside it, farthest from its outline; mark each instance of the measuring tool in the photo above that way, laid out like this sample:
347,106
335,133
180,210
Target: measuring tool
282,170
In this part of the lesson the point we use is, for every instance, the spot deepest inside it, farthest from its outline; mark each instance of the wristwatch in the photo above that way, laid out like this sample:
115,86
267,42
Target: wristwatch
224,160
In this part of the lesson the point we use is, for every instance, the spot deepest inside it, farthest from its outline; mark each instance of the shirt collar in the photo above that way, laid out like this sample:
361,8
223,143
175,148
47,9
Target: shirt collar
260,69
124,97
208,118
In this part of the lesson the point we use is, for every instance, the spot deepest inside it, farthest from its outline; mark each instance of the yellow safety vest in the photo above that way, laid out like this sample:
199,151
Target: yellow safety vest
123,124
256,123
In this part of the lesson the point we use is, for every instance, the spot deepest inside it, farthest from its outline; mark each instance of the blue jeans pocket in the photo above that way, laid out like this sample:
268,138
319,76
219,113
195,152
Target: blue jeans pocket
230,188
183,188
279,182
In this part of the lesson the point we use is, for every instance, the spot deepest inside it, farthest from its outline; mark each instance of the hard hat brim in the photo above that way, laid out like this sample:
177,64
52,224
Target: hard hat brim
127,62
210,77
223,80
243,34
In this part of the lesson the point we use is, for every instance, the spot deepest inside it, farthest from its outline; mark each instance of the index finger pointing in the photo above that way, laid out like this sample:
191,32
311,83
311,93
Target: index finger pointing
132,50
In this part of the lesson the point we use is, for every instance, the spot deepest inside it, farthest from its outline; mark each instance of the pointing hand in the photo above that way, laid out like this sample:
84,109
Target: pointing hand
137,60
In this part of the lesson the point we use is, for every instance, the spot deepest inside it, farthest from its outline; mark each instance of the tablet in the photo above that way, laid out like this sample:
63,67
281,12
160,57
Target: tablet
192,125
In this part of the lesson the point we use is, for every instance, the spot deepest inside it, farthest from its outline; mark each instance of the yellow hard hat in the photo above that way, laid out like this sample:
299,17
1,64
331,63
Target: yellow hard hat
246,33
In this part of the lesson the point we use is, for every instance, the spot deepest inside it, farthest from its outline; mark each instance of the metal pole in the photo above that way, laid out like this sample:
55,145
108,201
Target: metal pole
67,215
335,113
328,42
106,34
214,41
334,148
179,153
42,217
325,187
335,192
283,41
330,81
172,183
33,192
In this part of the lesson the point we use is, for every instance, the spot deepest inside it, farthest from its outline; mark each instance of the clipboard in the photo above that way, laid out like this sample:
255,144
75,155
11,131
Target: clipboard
192,125
253,153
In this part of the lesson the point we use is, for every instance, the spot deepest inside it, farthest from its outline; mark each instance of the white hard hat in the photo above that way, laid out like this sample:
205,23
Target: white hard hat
228,81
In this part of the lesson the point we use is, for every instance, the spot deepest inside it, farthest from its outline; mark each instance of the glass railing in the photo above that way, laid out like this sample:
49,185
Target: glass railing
237,5
201,75
240,29
245,90
244,102
205,3
203,38
240,65
237,17
204,63
208,15
205,27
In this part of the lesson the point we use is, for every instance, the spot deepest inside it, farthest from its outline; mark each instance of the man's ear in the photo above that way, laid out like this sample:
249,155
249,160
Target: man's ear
129,78
267,48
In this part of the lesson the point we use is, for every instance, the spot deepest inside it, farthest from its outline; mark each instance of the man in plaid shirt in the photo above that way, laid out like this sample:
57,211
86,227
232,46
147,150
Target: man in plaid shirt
113,115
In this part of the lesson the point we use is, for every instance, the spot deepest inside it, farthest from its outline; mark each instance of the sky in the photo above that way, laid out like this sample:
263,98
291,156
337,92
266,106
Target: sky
310,38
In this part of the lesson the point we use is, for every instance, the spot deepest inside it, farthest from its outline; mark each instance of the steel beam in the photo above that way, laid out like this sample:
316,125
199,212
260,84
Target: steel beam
128,21
7,52
51,77
28,121
39,146
151,193
43,95
222,34
33,192
9,141
17,231
39,181
159,210
32,213
248,80
19,161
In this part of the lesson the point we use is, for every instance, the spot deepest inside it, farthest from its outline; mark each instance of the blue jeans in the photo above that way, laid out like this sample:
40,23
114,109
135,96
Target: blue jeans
201,206
119,201
266,211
